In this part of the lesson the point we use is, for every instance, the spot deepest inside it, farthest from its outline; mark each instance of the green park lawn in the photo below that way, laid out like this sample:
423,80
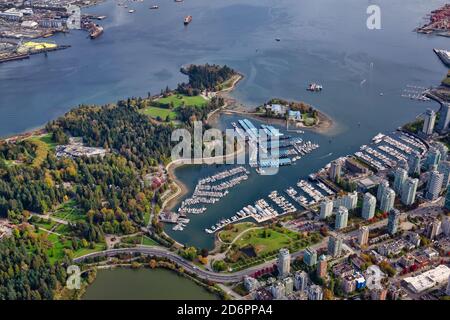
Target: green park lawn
44,144
229,235
46,139
272,239
69,212
263,244
44,224
146,241
179,99
58,244
163,113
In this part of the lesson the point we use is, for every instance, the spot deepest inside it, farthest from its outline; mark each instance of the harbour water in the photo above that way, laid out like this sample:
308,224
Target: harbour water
363,73
144,284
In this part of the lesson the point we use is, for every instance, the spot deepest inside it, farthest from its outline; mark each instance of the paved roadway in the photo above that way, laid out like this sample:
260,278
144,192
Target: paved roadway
189,266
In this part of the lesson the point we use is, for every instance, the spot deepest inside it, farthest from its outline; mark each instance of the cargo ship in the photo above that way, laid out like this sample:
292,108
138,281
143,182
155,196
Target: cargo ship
187,20
96,32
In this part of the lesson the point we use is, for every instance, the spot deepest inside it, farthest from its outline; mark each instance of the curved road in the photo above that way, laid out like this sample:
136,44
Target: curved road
189,266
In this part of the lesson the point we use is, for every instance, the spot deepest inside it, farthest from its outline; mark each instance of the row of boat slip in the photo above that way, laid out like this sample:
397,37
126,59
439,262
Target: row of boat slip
306,147
270,163
410,139
393,153
215,194
310,190
223,175
327,190
271,131
385,160
197,200
261,211
397,144
185,210
406,143
302,200
281,201
229,184
264,211
224,222
368,159
207,193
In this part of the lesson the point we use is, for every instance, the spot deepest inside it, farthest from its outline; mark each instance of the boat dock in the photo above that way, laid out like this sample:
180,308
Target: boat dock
208,190
275,148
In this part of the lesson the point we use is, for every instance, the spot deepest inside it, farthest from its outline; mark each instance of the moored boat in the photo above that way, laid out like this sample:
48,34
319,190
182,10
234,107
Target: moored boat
187,20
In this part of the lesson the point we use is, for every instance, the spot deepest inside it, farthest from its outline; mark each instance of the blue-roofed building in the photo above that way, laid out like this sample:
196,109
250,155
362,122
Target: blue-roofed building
295,115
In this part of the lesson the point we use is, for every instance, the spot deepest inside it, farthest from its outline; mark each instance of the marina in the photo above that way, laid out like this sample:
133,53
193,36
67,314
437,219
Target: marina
260,211
387,150
208,190
269,147
415,93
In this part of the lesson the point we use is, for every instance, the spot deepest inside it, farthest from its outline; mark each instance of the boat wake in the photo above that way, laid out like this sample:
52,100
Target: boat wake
326,156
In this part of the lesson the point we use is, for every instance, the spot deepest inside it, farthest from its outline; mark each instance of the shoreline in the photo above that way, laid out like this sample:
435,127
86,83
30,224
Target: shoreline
182,189
324,125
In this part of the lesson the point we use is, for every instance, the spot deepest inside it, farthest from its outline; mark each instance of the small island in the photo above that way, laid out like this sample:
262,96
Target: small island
293,114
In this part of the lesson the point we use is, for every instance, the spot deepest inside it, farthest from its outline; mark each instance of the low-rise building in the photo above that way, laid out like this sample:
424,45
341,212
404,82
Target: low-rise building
342,270
428,279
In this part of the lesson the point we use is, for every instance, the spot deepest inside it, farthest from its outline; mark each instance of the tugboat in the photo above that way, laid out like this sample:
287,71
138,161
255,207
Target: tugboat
314,87
187,20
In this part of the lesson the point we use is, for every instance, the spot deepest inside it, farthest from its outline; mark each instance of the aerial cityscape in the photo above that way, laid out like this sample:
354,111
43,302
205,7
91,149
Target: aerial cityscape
237,150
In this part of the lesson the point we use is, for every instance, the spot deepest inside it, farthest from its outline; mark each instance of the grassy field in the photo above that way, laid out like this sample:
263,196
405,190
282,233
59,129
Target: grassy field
83,251
58,244
307,120
229,235
146,241
44,144
44,224
47,139
178,100
155,112
265,241
69,212
270,240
